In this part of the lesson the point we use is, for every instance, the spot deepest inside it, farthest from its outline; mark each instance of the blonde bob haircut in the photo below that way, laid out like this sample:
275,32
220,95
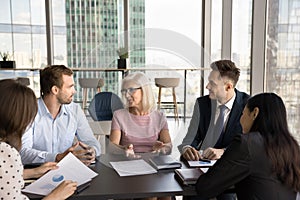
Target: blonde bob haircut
140,80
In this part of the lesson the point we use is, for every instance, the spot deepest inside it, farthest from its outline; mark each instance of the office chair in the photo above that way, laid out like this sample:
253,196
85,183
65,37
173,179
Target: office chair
103,105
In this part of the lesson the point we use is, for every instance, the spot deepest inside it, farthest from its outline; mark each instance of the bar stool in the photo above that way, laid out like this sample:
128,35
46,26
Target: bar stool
92,83
168,83
23,80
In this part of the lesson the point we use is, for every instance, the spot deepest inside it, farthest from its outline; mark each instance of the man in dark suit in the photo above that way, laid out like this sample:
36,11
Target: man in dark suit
216,116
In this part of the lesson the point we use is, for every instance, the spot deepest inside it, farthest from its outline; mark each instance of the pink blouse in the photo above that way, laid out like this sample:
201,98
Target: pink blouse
141,131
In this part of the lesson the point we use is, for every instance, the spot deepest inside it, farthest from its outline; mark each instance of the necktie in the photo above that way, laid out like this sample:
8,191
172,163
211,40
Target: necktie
213,135
220,121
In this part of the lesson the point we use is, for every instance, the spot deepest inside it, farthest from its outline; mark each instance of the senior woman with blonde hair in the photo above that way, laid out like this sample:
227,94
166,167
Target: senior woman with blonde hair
140,127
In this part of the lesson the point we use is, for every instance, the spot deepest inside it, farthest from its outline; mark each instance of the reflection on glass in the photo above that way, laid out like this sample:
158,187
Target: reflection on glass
59,12
38,16
22,50
241,40
282,64
5,12
60,50
20,12
216,37
6,42
39,51
25,33
59,32
173,40
216,29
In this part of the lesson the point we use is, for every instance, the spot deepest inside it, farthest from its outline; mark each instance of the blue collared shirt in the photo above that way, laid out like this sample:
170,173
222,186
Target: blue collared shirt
47,136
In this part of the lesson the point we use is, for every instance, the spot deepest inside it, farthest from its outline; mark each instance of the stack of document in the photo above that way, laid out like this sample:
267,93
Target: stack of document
165,162
188,176
68,169
133,167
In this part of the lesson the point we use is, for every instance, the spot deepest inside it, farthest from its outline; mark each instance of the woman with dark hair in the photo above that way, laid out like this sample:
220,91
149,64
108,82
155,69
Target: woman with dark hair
17,111
264,162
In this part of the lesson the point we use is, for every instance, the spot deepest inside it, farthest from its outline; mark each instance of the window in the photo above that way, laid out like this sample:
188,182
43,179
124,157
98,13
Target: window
5,12
216,30
173,28
59,31
241,41
24,34
282,53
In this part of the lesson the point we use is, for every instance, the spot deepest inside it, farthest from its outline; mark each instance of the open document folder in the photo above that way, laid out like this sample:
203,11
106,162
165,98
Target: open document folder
70,168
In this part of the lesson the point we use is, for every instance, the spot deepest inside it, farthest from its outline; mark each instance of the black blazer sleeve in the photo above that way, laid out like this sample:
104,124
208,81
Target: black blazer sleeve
205,109
231,168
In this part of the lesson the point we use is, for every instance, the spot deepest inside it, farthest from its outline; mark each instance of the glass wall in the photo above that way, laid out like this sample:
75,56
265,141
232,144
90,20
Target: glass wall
23,32
241,29
59,32
216,30
87,34
173,40
215,41
241,40
5,28
282,57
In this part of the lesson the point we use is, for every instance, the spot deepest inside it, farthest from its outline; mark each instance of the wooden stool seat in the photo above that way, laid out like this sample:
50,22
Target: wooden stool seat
92,83
168,83
23,80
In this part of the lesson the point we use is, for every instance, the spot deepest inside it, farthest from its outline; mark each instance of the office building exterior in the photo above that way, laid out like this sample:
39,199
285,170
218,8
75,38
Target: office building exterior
95,31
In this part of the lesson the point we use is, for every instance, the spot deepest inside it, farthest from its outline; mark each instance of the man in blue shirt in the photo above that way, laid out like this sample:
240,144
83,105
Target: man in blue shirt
58,122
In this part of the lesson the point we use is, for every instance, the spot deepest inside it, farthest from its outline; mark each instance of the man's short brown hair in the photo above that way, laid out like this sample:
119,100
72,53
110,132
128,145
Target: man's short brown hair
228,69
52,76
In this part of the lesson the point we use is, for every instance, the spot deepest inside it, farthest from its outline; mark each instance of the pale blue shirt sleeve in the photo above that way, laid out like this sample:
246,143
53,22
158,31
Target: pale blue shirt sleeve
47,136
29,154
84,132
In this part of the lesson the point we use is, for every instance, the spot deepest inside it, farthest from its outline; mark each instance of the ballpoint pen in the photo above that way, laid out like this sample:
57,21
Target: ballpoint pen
204,160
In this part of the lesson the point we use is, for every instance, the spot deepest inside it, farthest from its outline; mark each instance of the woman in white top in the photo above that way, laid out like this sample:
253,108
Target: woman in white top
140,127
17,111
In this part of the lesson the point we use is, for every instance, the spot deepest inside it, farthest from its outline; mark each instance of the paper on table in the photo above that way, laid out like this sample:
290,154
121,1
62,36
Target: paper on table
201,163
70,168
133,167
204,169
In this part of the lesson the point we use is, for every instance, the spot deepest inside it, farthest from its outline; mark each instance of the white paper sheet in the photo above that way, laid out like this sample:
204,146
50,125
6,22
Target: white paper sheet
70,168
133,167
201,163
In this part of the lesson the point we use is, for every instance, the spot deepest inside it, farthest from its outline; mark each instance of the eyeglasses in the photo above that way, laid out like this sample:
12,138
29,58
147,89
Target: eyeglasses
129,90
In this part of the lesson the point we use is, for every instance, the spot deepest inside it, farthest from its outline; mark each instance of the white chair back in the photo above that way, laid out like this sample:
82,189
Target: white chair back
101,129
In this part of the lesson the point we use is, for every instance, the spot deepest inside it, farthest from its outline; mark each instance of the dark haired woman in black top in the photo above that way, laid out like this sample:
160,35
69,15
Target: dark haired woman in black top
262,163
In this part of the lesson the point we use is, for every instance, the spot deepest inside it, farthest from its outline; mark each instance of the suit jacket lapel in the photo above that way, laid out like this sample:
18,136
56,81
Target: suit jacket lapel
235,112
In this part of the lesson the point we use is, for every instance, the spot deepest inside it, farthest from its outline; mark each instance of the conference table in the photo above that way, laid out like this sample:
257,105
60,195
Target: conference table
109,185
